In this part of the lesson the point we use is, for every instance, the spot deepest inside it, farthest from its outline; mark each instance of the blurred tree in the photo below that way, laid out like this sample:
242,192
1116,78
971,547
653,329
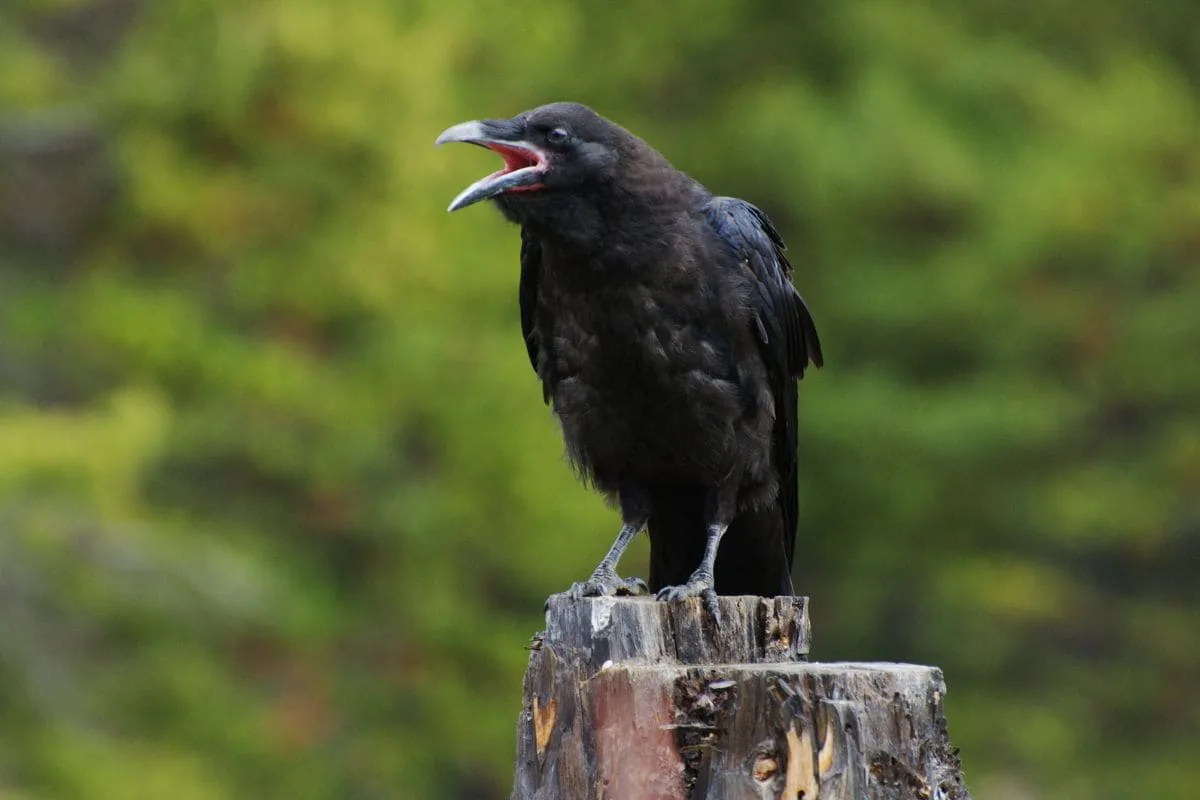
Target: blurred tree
280,504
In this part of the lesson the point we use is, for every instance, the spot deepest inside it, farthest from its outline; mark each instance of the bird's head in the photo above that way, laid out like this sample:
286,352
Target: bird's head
551,149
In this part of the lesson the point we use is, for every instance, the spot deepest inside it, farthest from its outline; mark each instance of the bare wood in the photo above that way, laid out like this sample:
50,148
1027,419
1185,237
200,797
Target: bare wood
632,699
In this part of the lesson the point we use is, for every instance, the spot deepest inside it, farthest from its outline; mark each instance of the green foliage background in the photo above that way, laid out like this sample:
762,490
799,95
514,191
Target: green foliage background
279,501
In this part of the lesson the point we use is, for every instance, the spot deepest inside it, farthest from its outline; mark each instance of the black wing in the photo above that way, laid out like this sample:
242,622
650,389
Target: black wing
784,327
531,268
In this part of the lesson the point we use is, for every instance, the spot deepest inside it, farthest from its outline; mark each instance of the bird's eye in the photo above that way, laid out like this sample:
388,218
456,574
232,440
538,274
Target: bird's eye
557,135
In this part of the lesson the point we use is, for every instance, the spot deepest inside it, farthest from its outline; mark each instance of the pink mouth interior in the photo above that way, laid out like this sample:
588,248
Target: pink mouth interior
515,158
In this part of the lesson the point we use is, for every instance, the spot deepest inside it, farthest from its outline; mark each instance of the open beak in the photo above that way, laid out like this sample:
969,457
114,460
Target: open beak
524,163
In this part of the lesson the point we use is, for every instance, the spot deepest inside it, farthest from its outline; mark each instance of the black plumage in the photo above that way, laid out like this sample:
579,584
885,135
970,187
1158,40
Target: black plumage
668,337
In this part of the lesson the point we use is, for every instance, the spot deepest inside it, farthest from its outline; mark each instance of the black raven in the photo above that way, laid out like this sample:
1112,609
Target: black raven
667,334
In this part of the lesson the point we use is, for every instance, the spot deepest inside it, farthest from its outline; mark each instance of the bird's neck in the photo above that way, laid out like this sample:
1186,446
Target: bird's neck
626,224
606,248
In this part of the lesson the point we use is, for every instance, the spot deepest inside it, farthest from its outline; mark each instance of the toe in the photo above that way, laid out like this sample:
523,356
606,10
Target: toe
606,585
633,586
581,589
691,589
669,594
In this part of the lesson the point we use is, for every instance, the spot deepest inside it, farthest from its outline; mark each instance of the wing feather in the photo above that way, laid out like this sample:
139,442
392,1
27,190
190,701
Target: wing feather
531,267
784,329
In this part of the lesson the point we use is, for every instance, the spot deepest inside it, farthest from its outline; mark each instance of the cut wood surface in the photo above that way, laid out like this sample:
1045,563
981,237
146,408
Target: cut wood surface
634,699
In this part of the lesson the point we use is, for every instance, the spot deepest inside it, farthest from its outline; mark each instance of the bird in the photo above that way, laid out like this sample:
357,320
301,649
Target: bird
668,337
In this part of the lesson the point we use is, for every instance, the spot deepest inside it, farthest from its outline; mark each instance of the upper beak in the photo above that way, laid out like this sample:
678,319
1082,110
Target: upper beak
524,163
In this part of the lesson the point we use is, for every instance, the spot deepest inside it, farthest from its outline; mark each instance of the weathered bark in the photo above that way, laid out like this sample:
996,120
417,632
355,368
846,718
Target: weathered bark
632,699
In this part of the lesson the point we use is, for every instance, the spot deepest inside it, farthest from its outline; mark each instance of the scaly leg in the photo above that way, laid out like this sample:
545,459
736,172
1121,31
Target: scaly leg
701,583
722,506
605,580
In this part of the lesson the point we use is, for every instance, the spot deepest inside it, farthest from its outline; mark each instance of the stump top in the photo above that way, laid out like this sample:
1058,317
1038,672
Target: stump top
642,630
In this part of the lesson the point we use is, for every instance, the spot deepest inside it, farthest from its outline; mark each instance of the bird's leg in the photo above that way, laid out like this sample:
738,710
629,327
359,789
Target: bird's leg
605,580
702,583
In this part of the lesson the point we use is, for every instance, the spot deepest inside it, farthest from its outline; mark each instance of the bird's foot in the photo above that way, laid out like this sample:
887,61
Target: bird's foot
699,585
606,583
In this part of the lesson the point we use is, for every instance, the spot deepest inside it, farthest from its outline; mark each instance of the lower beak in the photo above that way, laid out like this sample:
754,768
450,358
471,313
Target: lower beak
524,163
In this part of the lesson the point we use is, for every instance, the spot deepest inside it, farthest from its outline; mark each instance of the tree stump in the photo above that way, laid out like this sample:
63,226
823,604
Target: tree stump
634,699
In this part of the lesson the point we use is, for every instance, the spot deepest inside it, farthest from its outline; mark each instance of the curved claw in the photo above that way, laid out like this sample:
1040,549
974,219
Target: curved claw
606,585
701,588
